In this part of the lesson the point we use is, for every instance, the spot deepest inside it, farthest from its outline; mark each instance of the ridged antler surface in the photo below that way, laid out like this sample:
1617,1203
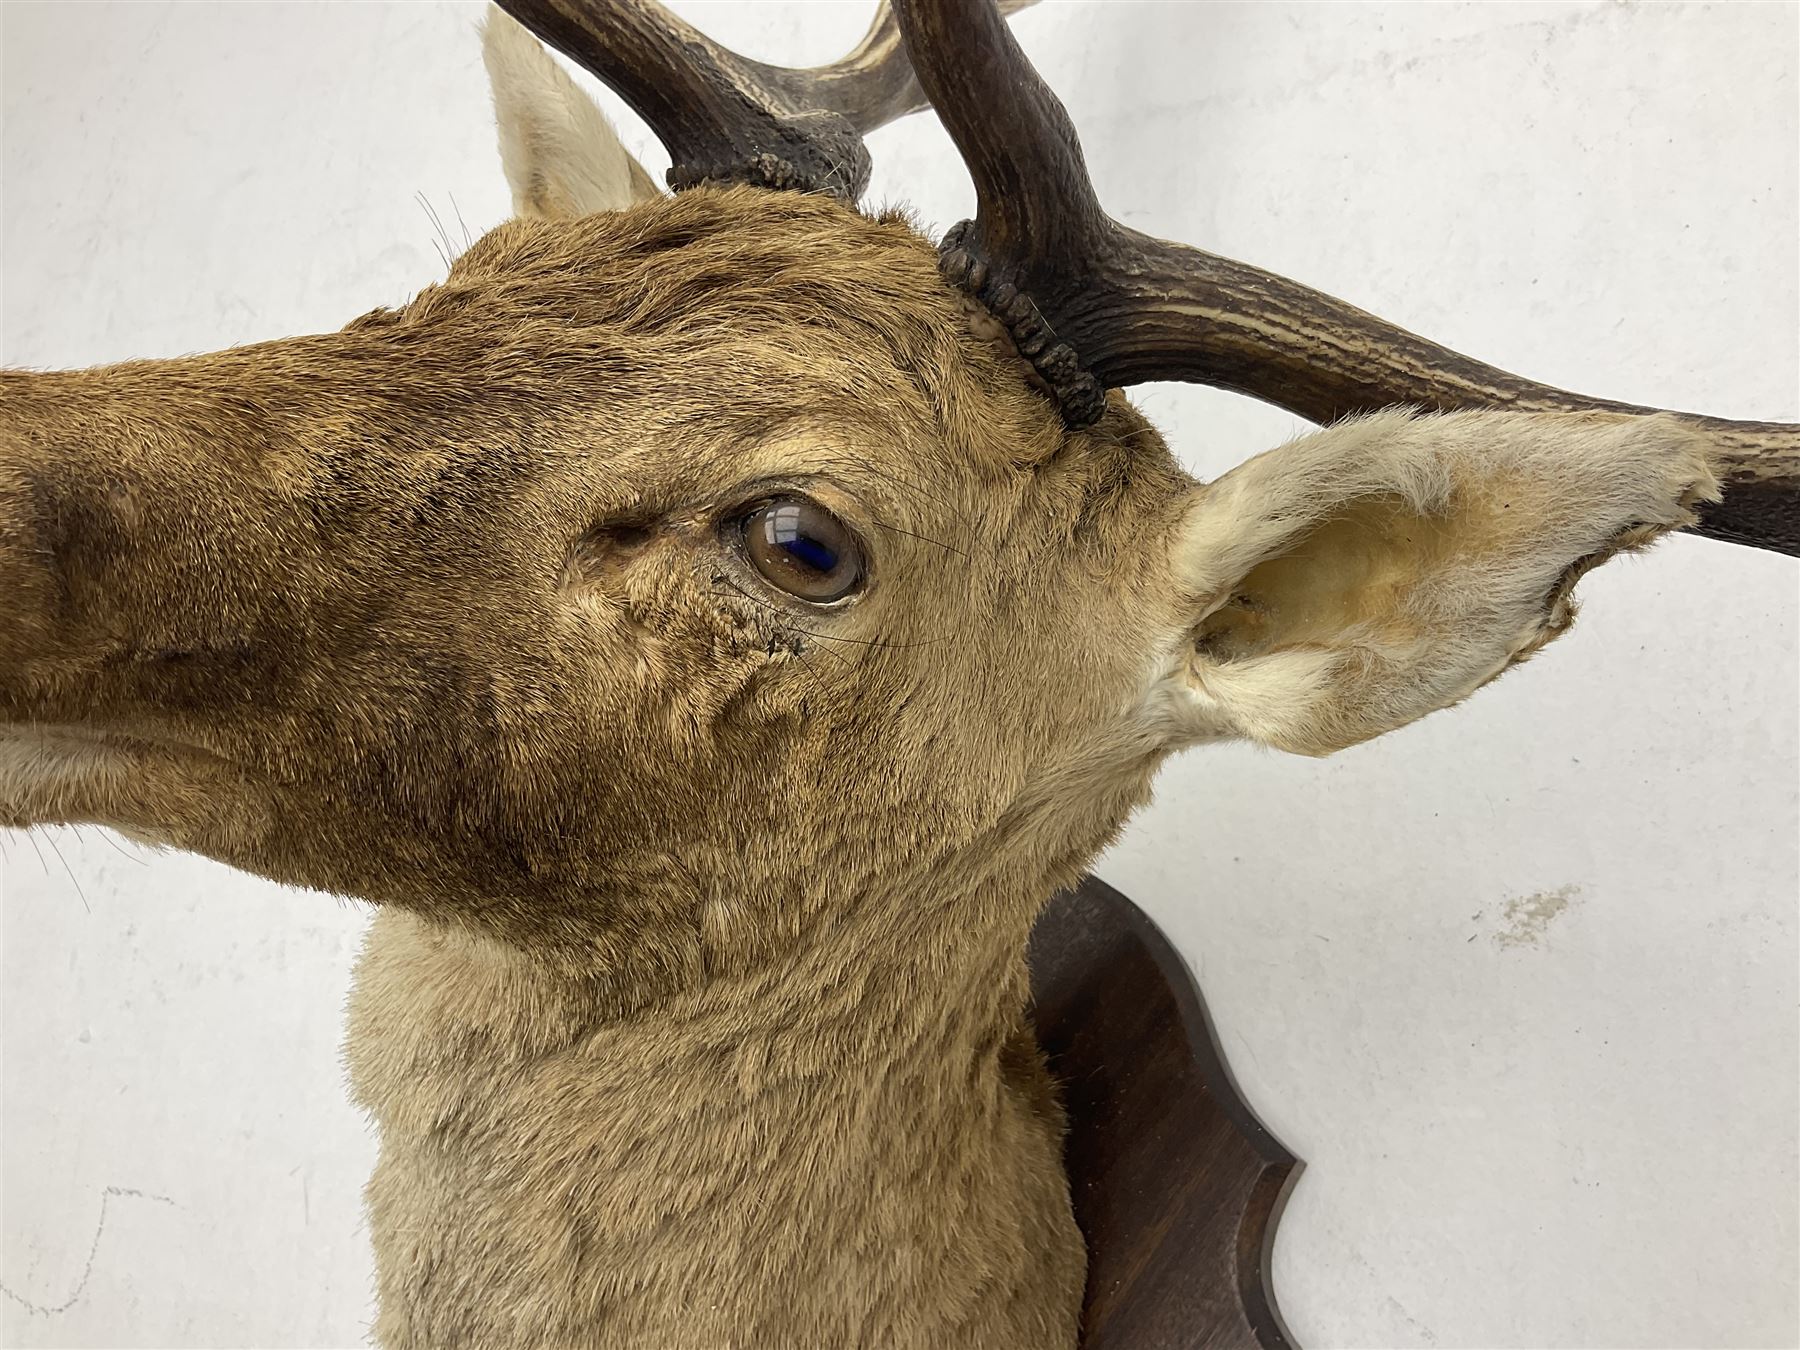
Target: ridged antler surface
725,118
1097,305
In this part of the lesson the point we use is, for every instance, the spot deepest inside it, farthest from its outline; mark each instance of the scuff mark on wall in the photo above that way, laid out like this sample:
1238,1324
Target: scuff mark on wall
51,1310
1525,920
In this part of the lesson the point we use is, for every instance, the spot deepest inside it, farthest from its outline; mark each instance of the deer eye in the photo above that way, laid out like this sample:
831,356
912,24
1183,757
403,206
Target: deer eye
799,547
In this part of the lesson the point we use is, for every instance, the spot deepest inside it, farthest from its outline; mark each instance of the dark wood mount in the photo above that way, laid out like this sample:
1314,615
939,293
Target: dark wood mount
1177,1185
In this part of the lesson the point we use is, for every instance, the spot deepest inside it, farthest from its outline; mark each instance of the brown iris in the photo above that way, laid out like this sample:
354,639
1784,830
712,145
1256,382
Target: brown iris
799,547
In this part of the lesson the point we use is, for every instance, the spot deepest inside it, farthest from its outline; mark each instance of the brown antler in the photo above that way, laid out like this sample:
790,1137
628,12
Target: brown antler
874,84
725,118
1097,305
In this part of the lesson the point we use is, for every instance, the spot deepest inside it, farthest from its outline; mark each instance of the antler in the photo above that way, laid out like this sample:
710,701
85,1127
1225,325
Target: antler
725,118
1095,304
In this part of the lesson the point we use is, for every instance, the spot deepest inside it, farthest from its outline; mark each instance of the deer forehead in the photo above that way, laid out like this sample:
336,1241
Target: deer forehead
675,358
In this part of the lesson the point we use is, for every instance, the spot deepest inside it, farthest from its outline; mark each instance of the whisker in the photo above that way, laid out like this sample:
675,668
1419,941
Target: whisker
809,667
468,239
31,839
446,247
925,538
921,490
437,220
870,642
779,613
829,637
119,849
56,849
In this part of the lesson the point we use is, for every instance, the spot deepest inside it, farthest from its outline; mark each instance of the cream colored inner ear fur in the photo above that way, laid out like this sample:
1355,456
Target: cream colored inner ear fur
1354,580
562,157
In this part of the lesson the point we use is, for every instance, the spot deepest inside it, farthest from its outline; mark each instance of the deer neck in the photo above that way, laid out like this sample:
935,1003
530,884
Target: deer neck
440,1009
873,988
781,1155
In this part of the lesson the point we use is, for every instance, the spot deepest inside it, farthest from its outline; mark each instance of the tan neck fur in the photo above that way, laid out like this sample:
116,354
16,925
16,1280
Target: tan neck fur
801,1153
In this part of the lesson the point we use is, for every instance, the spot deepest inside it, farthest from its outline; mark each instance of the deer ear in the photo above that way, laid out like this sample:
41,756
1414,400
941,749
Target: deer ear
562,157
1354,580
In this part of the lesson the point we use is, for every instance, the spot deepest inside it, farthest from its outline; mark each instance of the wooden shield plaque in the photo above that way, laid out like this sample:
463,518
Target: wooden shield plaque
1177,1186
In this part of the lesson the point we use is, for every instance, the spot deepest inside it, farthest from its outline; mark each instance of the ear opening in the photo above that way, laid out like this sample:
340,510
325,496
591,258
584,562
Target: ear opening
1357,579
562,158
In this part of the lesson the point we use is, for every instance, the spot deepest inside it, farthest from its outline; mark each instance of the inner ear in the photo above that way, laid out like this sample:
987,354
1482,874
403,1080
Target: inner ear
1358,578
1353,570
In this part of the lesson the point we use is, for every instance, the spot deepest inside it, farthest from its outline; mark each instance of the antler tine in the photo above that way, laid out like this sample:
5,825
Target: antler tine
875,83
1039,233
1097,305
725,118
718,115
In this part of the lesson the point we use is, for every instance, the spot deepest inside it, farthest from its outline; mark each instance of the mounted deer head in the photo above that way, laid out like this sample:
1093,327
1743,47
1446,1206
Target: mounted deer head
712,628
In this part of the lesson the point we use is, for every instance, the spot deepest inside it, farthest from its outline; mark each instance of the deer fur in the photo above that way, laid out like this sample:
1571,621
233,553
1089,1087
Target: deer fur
693,1012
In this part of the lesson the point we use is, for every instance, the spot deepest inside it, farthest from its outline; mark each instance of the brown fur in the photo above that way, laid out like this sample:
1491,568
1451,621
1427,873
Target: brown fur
694,1013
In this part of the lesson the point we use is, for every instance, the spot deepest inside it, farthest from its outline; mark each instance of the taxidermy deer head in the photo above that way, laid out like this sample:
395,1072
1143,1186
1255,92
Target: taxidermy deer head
712,625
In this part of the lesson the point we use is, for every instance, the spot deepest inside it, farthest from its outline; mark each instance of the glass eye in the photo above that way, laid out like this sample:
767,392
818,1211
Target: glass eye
799,547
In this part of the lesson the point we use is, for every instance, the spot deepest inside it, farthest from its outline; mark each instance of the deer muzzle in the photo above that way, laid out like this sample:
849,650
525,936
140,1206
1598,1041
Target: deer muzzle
252,577
142,537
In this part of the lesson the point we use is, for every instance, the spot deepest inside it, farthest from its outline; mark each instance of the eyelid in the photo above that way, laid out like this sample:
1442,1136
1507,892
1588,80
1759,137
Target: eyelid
846,505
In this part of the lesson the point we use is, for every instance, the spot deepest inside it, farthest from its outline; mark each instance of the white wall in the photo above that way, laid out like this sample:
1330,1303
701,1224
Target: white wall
1578,1129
